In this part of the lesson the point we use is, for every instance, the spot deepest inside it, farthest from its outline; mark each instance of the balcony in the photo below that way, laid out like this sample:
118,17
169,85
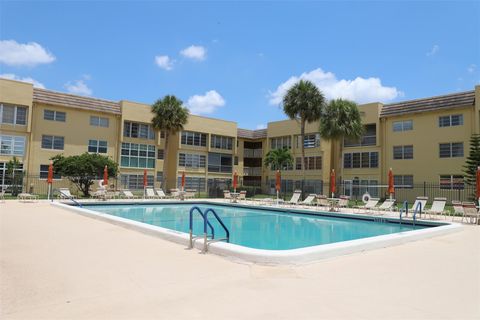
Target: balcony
365,141
252,153
252,171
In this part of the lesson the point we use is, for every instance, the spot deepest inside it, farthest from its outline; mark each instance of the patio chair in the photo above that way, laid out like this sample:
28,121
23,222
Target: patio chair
387,205
322,201
343,202
227,195
190,193
161,194
175,193
423,201
457,209
308,201
471,213
64,193
371,204
27,196
438,207
127,194
100,194
295,197
2,195
150,194
242,196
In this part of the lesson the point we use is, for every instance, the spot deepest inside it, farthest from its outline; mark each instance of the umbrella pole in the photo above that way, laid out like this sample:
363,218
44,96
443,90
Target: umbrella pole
49,191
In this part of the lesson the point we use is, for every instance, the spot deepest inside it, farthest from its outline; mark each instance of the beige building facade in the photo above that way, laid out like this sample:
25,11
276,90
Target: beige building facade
421,140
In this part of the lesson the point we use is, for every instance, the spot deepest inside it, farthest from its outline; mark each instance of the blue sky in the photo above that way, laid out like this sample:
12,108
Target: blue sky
235,60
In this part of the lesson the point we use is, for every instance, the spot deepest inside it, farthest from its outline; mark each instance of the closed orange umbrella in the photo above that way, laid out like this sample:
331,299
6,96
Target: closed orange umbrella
278,181
183,180
478,182
50,173
332,182
391,188
235,181
145,178
105,176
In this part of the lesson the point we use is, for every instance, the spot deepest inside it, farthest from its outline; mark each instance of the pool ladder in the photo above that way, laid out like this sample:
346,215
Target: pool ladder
417,209
206,224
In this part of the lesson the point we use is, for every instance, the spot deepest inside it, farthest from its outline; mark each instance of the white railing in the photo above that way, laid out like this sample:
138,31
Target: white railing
252,153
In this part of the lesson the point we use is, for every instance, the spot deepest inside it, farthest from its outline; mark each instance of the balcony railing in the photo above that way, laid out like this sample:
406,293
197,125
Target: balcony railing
252,153
365,141
252,171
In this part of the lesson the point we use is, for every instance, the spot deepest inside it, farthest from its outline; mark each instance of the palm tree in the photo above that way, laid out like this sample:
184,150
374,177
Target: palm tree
278,159
169,116
12,166
303,102
341,119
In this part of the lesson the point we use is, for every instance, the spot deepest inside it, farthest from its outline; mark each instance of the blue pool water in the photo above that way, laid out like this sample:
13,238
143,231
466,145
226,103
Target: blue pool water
257,228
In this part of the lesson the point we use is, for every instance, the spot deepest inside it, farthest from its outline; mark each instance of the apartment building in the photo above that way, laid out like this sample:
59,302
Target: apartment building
422,140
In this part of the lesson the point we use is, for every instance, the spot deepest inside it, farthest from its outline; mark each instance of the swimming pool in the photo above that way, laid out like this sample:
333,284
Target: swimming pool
258,228
267,235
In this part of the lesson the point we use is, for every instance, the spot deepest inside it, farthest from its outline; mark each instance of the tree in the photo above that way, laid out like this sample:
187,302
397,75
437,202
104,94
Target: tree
81,170
12,167
341,119
278,159
473,160
170,117
303,102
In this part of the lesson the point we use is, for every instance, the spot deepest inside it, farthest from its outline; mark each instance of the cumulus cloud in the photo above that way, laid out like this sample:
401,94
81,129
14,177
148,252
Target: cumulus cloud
29,54
78,87
261,126
433,51
12,76
206,104
471,68
164,62
360,90
194,52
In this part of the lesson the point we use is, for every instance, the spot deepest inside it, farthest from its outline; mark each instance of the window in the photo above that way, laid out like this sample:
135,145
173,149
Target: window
54,115
360,160
44,172
235,161
451,120
369,137
189,160
218,162
402,152
162,134
159,176
193,183
99,121
97,146
160,154
405,125
311,163
12,145
451,150
10,114
403,181
52,142
221,142
191,138
451,182
309,141
138,130
135,181
136,155
281,142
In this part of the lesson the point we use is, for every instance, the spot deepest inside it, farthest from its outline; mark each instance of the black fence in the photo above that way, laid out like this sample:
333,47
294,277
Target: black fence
214,187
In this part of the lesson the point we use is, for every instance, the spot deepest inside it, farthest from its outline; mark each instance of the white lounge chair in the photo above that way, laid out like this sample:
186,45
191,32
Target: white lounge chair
227,195
308,201
457,209
423,201
343,201
387,205
438,207
27,196
100,194
242,195
150,194
295,197
64,193
371,204
127,194
322,201
2,195
161,194
471,213
190,193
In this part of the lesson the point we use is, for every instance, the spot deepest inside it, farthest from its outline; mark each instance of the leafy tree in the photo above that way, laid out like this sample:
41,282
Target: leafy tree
303,102
341,119
473,160
81,170
12,167
169,116
278,159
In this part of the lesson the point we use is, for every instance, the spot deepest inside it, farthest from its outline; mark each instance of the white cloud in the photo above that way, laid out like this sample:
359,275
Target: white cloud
261,126
206,104
471,68
30,54
164,62
12,76
360,90
433,51
78,87
194,52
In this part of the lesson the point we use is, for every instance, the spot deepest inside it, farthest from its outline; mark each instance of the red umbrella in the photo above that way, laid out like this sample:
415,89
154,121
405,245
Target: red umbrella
478,182
332,182
391,189
183,180
105,176
278,181
144,178
235,181
50,173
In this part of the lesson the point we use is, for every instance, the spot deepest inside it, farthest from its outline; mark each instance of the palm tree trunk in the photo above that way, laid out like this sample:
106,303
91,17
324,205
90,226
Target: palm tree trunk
302,138
165,161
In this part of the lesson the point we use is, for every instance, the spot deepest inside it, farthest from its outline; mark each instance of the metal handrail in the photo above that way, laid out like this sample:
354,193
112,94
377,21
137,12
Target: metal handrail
404,209
68,197
419,205
205,222
192,210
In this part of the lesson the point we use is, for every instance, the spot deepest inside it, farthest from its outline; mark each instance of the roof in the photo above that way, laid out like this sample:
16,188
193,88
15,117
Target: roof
455,100
251,134
73,101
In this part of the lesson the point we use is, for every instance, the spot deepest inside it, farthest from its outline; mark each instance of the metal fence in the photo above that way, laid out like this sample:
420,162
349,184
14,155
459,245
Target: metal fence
214,187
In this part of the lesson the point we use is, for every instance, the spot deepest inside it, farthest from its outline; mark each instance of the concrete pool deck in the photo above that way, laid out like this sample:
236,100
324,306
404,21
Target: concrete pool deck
57,264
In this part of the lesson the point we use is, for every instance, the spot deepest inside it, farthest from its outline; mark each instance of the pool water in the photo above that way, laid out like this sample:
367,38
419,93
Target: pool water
257,228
